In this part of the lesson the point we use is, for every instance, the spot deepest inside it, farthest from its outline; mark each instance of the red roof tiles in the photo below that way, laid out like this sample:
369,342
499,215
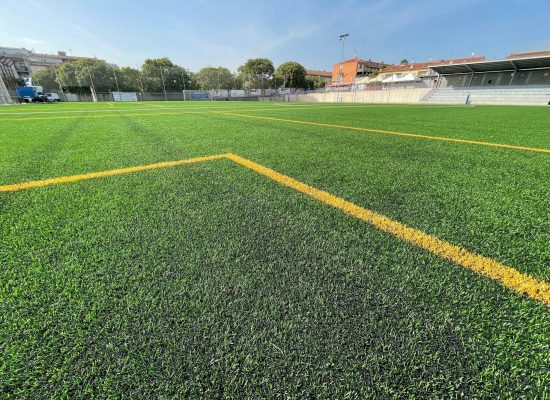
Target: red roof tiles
314,72
425,65
542,53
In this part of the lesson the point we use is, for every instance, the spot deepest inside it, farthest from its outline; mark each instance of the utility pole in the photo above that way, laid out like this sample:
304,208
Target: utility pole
163,85
117,87
141,82
59,83
183,80
94,95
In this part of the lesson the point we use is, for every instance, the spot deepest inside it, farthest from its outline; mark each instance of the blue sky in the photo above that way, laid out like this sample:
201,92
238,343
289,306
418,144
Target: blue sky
197,33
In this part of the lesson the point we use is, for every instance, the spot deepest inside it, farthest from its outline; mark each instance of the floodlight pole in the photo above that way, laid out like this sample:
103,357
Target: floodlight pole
163,85
343,40
340,73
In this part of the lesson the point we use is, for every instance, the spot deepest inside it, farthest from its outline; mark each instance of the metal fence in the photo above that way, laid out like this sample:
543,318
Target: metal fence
186,95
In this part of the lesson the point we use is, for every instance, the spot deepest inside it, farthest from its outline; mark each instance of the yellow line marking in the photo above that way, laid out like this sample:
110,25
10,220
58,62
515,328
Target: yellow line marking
485,266
488,267
414,135
273,105
118,114
354,128
94,175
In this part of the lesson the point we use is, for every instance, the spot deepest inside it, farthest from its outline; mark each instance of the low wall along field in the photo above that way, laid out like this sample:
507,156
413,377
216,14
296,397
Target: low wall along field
397,96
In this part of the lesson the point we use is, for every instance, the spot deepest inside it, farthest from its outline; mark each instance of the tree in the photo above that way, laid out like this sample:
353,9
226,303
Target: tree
404,62
291,74
256,73
310,84
129,79
78,76
151,73
214,78
175,77
81,74
154,70
315,83
320,83
46,78
66,75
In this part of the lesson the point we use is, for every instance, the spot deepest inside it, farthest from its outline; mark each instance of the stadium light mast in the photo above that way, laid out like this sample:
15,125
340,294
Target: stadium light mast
340,72
343,40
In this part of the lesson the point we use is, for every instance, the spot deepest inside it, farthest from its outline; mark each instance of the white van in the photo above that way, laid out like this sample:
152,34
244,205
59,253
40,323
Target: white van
52,97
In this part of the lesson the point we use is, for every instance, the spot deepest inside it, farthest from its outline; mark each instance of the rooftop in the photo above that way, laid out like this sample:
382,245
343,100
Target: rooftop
508,64
428,64
530,54
362,61
315,72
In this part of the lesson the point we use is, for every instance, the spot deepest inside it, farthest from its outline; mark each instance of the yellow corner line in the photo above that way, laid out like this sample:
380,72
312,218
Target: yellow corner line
102,174
488,267
414,135
507,276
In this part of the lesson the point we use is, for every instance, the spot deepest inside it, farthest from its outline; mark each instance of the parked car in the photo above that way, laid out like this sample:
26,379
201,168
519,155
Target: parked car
53,97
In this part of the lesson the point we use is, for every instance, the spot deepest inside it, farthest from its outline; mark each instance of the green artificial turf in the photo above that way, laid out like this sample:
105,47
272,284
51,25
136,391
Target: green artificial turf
210,281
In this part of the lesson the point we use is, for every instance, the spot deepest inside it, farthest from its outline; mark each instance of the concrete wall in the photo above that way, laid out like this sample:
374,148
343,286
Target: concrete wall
397,96
4,94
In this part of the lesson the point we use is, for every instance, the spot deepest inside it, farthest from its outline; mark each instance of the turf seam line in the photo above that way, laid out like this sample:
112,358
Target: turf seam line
485,266
370,130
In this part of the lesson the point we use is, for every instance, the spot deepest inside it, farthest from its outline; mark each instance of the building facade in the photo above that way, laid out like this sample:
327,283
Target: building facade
20,63
316,74
348,71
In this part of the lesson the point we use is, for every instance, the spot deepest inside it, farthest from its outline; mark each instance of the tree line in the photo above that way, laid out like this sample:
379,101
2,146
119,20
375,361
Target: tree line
161,74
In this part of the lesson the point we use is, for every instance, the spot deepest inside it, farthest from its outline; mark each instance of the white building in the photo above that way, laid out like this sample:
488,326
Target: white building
24,63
